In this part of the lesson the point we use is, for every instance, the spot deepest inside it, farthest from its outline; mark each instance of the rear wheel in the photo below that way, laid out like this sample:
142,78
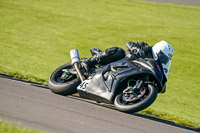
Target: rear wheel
63,80
137,101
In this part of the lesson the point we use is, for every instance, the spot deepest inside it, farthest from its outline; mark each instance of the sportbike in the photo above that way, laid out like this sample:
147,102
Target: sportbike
131,85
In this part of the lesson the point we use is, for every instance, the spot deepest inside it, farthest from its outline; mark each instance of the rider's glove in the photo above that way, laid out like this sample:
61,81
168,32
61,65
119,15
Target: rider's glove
137,51
135,48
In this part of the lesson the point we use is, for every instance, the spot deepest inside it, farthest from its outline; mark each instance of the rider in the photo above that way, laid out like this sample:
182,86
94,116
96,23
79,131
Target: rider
161,51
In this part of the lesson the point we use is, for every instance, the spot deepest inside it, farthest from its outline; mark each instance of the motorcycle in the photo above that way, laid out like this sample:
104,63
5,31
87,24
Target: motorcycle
131,85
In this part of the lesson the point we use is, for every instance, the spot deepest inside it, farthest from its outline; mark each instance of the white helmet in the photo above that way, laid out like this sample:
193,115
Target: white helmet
163,52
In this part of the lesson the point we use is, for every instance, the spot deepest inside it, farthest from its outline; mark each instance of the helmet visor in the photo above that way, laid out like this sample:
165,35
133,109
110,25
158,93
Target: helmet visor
165,61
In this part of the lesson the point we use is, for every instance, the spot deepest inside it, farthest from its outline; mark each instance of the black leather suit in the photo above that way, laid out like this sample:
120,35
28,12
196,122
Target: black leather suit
134,51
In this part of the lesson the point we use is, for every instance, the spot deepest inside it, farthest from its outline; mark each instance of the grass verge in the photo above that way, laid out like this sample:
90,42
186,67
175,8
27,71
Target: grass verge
6,127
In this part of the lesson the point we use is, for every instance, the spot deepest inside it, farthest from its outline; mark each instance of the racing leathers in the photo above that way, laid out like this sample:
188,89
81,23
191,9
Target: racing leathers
134,51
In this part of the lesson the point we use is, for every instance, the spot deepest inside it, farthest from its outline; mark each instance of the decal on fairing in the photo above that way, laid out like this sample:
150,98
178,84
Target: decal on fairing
84,85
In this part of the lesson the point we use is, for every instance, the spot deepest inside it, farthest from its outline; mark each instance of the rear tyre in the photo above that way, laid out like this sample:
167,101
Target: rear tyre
63,86
142,103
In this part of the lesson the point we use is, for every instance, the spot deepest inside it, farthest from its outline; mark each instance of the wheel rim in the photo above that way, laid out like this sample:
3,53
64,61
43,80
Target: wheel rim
134,98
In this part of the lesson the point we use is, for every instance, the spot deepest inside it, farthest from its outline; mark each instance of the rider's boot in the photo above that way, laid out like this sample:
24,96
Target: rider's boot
90,63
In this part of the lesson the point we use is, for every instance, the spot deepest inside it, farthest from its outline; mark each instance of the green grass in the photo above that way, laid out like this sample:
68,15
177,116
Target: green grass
6,127
37,35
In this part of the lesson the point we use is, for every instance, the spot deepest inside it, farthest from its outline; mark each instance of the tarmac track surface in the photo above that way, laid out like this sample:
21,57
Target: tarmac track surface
32,105
179,2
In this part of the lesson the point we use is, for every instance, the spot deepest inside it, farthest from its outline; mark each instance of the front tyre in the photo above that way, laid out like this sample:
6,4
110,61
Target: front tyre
63,86
143,102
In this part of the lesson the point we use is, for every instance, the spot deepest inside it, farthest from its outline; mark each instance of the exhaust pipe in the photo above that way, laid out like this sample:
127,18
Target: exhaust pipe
75,61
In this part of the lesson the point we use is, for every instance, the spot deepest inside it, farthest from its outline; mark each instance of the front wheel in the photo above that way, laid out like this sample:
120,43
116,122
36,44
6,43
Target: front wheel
64,80
139,102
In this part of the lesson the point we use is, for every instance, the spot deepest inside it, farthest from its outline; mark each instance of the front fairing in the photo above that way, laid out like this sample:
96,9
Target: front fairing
104,83
137,67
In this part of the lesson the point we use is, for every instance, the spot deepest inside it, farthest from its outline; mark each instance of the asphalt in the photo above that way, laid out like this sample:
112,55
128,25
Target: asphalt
34,106
179,2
